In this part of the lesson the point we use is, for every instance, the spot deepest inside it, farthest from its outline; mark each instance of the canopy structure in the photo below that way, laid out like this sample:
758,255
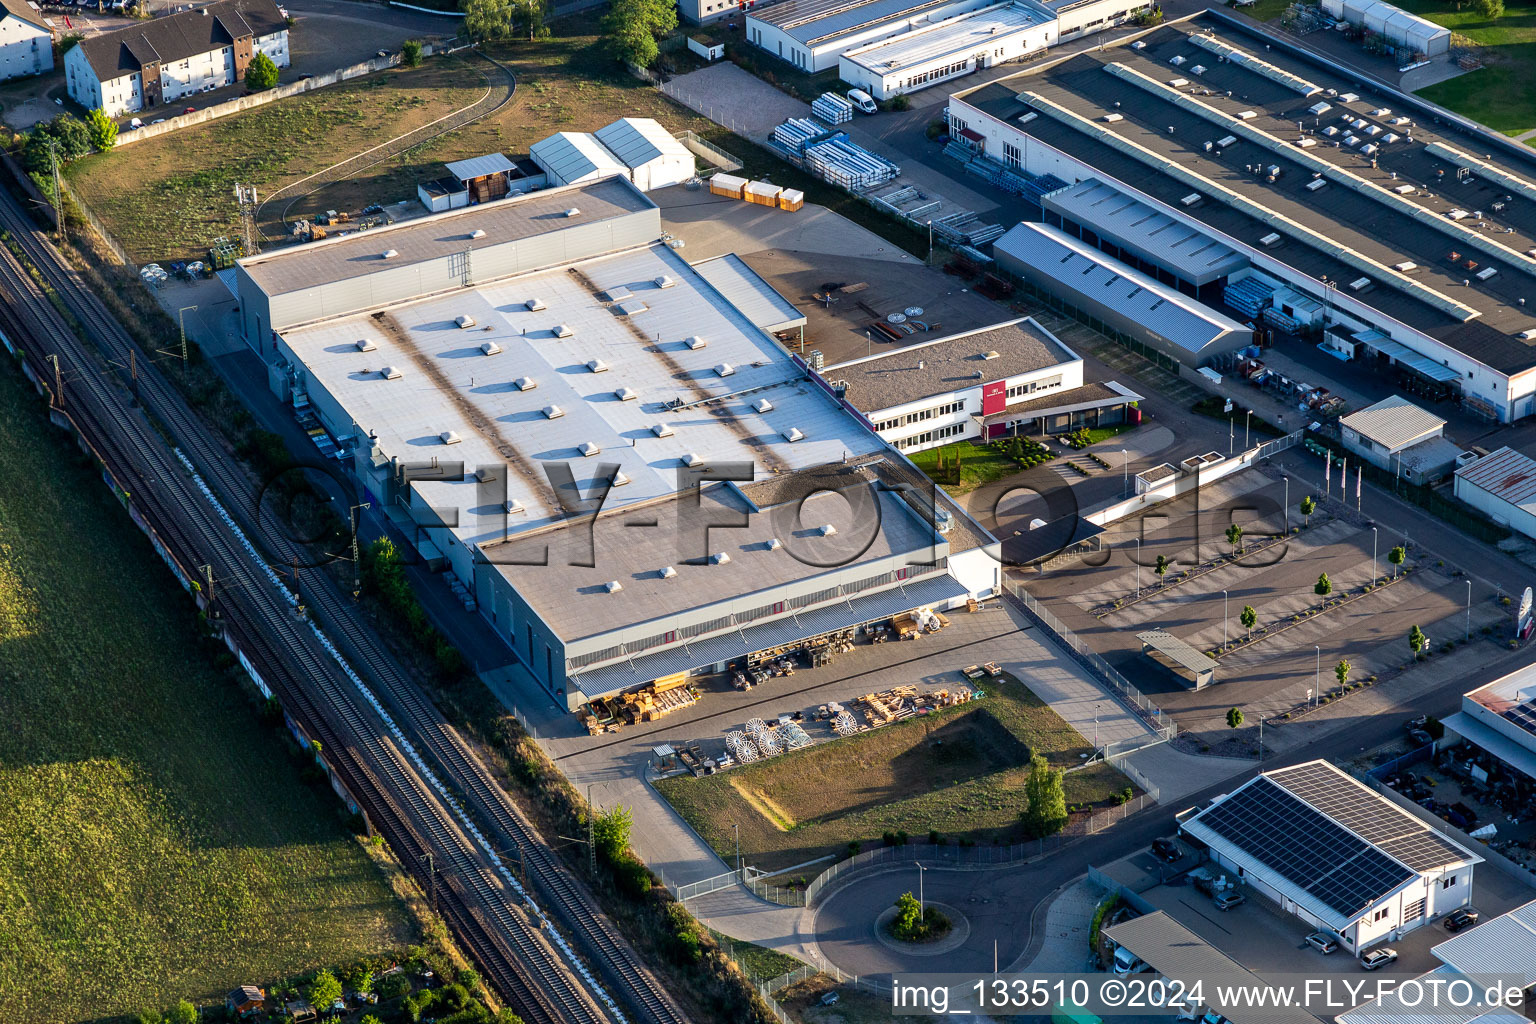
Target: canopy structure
1193,666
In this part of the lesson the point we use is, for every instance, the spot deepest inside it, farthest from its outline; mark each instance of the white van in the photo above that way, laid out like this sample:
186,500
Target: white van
863,101
1127,962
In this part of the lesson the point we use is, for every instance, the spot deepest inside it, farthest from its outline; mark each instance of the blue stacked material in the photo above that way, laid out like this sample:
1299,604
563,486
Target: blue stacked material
1274,317
1248,296
959,152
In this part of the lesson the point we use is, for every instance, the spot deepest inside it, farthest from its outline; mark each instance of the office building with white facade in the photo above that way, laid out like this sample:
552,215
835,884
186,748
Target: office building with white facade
166,59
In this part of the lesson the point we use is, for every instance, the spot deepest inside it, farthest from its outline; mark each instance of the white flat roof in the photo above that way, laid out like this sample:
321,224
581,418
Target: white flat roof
477,166
448,384
745,288
949,38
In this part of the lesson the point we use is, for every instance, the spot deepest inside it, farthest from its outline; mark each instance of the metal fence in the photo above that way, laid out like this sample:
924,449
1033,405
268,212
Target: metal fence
709,152
1278,445
1385,771
1164,726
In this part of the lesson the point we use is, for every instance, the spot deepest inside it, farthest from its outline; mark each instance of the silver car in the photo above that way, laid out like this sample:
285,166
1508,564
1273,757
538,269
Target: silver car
1375,959
1322,942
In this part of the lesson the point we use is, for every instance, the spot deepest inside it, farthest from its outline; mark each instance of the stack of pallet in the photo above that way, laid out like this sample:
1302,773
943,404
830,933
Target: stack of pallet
832,108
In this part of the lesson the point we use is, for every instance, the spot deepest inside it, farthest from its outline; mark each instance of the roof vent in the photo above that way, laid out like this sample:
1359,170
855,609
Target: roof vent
477,233
661,429
724,369
485,473
573,212
664,281
525,383
513,506
1529,335
563,331
553,412
587,449
597,366
1270,239
388,254
720,558
691,459
793,434
667,572
618,479
763,405
990,354
534,305
1359,283
449,437
828,530
390,373
490,348
613,586
464,322
774,544
695,342
625,394
1405,266
365,345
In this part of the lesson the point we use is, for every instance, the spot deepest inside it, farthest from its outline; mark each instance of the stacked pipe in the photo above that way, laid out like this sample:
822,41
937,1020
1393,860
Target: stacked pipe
794,133
843,163
832,108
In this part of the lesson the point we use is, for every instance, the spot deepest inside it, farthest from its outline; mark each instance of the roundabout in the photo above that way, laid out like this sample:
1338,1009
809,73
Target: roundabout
958,932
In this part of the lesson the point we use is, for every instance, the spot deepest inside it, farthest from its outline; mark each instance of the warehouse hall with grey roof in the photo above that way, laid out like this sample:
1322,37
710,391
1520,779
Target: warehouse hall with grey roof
1393,225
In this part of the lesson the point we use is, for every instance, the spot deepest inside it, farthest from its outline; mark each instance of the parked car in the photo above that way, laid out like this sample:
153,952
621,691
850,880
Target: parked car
1466,917
1228,900
1375,959
1323,942
863,101
829,999
1166,849
1420,738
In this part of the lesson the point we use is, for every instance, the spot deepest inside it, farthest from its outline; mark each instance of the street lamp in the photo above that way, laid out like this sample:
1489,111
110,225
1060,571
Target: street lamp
1138,566
1374,574
737,833
1246,421
1125,473
1317,674
1223,620
1469,609
181,318
1287,506
357,583
1096,728
921,909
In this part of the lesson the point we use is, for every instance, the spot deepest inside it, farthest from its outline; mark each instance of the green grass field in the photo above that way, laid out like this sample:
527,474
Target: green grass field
156,841
1500,94
979,464
959,771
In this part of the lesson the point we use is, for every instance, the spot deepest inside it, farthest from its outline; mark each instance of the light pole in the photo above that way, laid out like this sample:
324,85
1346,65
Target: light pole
737,833
1248,419
1231,434
921,908
1223,620
1138,566
1287,506
1317,673
1374,574
181,318
357,582
1125,473
1469,609
1096,728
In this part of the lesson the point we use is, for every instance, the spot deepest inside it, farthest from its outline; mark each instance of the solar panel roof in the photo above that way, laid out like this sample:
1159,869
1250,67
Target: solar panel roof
1305,846
1524,715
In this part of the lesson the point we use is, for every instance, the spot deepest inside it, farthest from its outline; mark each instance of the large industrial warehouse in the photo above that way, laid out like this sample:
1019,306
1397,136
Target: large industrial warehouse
1314,210
501,373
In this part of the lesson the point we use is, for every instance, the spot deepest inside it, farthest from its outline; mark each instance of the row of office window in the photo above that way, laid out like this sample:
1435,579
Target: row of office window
948,409
1032,386
930,436
937,73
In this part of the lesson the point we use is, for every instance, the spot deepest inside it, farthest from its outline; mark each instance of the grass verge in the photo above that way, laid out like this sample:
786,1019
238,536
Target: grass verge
959,772
979,464
1499,94
155,840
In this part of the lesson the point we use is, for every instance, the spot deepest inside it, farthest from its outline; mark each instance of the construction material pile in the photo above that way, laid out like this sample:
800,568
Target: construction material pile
793,736
831,157
832,108
741,748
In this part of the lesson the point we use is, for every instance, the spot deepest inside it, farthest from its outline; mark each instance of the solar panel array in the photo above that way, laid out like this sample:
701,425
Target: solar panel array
1305,847
1523,715
1375,820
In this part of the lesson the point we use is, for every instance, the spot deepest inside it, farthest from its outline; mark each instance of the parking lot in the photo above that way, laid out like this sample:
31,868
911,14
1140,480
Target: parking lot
1272,675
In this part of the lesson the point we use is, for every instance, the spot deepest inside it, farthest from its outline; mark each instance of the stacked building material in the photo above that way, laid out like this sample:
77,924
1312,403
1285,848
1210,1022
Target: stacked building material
796,132
844,164
832,108
1249,296
794,737
727,185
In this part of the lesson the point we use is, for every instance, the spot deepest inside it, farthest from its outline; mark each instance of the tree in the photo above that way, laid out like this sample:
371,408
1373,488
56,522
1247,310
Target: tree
507,1017
909,915
1046,812
487,19
1341,671
1490,9
1234,536
631,27
1248,617
260,73
1417,641
1234,717
65,134
610,831
324,990
1396,556
182,1013
1323,587
1161,568
532,14
410,53
102,129
1308,506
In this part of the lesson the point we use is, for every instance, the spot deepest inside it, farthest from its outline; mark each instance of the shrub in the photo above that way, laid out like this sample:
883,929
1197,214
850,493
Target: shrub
410,53
260,73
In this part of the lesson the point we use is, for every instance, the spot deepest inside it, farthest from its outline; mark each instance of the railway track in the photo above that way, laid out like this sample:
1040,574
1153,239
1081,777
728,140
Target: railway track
376,766
422,725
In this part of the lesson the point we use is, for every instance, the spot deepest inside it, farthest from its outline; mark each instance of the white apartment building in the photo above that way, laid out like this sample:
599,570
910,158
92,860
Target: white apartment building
26,40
